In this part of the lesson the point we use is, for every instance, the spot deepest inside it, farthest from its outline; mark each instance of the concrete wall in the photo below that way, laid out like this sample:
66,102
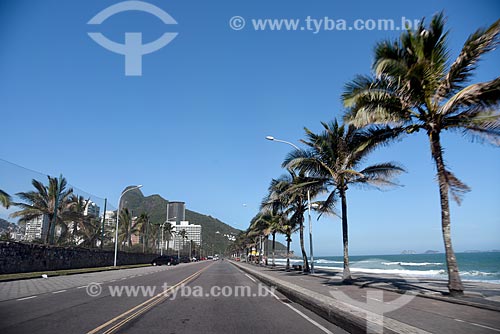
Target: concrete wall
18,257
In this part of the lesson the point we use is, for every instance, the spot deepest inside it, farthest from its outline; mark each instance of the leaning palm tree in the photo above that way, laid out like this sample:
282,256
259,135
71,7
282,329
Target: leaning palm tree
416,86
334,158
273,223
43,201
4,199
281,198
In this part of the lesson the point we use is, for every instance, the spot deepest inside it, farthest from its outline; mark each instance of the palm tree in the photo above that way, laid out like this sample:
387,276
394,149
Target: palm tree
4,199
272,224
333,159
90,232
127,227
143,224
43,201
416,86
183,234
169,232
76,214
281,198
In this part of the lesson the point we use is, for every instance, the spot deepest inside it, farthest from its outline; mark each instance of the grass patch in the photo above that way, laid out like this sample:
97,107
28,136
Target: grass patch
38,274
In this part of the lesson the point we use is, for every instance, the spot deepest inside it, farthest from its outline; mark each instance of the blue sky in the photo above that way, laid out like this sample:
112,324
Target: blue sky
192,127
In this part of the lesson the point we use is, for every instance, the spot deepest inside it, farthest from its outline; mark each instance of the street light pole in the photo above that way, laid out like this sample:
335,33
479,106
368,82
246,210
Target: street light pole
271,138
118,218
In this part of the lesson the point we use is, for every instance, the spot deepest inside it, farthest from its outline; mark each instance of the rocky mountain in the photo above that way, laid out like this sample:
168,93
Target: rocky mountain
216,235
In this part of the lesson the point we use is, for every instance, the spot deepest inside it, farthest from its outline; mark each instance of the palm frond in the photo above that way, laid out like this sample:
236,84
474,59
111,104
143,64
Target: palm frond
484,94
479,43
477,124
456,187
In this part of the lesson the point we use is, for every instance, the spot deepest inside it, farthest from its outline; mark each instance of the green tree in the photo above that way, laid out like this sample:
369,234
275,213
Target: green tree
333,159
417,86
42,201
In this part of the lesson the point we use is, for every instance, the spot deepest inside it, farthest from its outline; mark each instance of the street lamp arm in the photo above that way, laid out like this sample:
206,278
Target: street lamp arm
282,141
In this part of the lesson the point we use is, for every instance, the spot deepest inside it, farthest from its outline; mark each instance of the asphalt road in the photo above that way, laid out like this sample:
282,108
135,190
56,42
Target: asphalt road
216,297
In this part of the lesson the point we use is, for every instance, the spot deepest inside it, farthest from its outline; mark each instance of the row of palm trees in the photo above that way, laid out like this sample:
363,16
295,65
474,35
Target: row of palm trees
65,212
76,228
414,86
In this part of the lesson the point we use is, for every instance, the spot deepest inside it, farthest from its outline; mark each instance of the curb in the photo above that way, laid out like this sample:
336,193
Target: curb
441,298
348,317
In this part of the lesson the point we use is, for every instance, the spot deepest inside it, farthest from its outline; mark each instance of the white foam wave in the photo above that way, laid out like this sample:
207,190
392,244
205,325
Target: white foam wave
401,272
322,261
476,273
413,264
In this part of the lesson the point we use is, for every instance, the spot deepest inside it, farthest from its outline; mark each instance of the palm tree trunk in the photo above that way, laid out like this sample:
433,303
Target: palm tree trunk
346,275
288,240
302,248
274,246
454,282
168,245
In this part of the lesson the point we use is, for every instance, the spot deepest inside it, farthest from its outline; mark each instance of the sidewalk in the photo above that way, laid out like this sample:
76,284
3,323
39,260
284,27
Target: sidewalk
382,304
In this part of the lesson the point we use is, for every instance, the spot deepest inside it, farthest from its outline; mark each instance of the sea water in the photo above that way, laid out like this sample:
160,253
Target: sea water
473,266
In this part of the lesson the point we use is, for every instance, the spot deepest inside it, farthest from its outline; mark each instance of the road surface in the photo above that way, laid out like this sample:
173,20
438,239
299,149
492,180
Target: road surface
203,297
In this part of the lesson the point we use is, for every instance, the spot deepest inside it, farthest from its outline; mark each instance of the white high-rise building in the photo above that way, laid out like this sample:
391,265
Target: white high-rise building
193,232
37,228
91,209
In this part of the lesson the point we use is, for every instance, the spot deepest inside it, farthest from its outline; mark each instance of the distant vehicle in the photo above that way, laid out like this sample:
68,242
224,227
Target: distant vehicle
165,259
185,259
210,257
237,259
216,258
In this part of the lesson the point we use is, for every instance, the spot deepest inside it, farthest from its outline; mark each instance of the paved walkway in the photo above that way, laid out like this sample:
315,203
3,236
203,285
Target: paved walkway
406,305
26,288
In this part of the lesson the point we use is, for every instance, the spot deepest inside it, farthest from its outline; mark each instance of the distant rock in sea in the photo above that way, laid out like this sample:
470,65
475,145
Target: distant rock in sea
407,251
432,252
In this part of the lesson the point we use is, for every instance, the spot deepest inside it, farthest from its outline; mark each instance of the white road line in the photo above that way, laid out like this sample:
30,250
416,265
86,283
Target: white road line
81,287
479,325
251,278
59,291
301,314
27,298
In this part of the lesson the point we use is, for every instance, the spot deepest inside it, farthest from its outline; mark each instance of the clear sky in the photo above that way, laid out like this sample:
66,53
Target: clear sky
193,126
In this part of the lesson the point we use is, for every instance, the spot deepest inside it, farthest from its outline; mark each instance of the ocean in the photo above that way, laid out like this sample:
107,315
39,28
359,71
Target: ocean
473,266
